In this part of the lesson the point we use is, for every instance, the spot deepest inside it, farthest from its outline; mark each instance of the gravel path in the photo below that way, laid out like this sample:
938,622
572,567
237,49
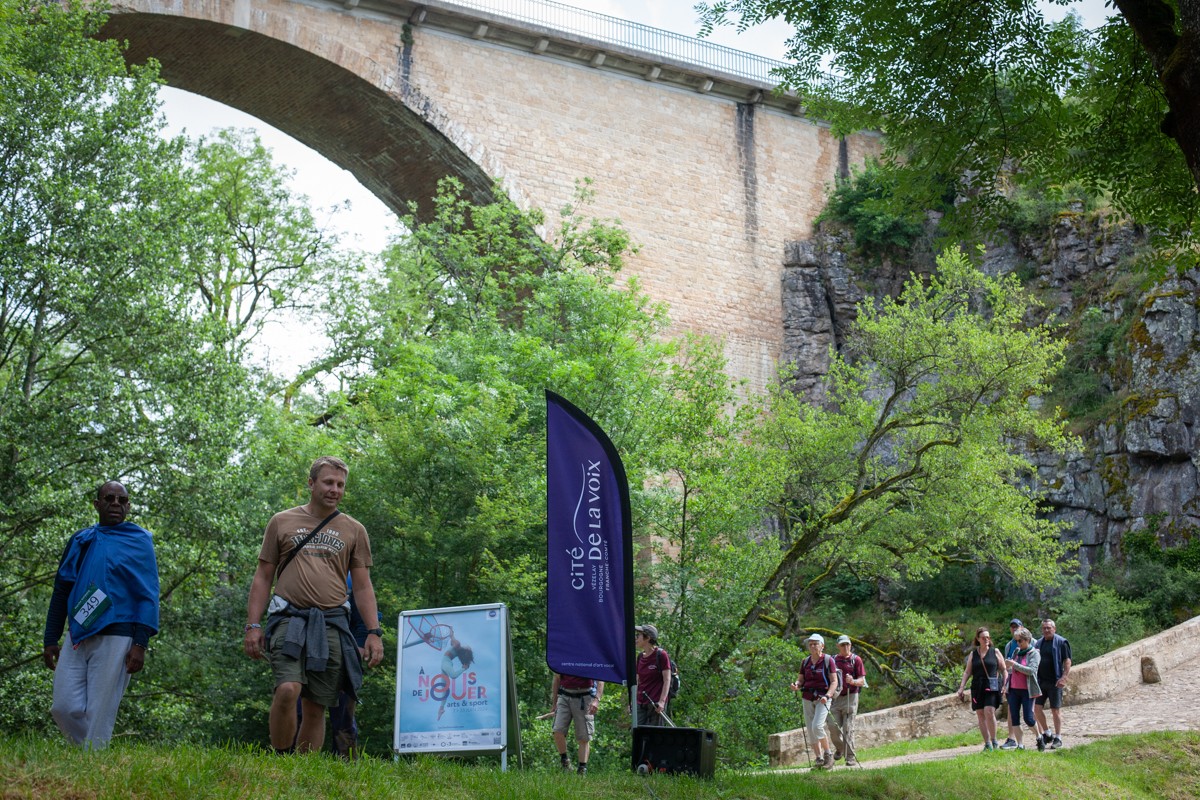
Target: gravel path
1166,706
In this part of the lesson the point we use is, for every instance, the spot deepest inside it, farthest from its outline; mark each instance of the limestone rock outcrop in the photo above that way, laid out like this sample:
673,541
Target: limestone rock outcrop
1138,467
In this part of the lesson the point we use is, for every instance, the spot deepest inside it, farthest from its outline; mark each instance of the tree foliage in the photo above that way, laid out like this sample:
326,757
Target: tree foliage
110,370
252,247
445,357
968,92
917,458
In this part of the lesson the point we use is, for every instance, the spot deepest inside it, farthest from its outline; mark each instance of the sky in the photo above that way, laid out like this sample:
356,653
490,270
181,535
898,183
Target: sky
370,224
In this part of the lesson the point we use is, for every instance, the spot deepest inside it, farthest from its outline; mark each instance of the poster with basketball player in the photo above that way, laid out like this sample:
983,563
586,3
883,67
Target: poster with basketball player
453,672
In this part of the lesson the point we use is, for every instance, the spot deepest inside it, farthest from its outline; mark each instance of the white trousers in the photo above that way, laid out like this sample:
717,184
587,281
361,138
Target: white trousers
89,682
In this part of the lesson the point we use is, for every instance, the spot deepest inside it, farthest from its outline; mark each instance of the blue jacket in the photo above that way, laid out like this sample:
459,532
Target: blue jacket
119,561
1061,649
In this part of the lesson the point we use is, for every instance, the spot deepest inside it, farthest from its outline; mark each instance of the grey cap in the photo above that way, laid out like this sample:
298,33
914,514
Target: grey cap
843,639
650,631
816,637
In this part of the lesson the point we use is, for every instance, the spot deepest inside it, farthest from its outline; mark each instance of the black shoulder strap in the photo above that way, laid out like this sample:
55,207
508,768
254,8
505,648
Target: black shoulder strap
303,542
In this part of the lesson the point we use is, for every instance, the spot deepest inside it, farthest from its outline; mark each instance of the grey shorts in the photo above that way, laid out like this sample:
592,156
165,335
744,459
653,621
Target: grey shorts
568,708
317,687
1051,695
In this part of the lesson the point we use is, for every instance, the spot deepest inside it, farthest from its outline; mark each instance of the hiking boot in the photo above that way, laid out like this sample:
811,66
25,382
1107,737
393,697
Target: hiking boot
1056,742
828,760
819,763
851,762
987,747
1041,745
581,770
1047,737
1011,744
994,745
837,755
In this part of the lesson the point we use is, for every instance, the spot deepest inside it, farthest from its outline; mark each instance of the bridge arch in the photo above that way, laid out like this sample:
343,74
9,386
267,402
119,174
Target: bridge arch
712,173
314,84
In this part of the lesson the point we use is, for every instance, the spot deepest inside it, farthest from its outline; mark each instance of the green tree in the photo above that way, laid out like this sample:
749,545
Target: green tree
253,248
109,370
966,92
446,359
917,458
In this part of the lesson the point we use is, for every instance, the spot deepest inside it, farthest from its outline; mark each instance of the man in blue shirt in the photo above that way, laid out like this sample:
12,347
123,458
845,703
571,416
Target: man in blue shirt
107,584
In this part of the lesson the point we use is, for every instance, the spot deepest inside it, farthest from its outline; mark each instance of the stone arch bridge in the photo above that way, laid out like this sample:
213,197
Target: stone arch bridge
711,172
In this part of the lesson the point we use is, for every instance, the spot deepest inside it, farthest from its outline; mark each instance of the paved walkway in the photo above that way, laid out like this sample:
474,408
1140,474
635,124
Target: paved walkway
1166,706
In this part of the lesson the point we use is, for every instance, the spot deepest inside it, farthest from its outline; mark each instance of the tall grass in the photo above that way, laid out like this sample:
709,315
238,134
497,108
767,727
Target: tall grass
1157,765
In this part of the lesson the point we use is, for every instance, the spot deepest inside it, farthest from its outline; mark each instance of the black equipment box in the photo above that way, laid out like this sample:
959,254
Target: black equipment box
691,751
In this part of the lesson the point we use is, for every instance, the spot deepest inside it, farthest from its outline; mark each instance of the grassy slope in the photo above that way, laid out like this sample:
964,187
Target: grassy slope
1158,765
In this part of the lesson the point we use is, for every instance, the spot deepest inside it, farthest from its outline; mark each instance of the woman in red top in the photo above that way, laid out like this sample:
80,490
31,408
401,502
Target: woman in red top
818,683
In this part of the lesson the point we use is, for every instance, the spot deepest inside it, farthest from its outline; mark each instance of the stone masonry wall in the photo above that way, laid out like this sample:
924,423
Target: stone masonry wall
710,189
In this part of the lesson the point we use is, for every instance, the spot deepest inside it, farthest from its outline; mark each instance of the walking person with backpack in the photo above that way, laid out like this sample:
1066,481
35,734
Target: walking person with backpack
307,640
818,684
653,677
853,674
1053,670
987,672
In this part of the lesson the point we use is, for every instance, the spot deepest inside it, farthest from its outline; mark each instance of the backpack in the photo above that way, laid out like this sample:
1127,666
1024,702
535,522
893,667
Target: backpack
674,690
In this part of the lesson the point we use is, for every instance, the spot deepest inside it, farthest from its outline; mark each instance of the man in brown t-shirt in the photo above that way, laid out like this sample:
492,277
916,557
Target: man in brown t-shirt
308,640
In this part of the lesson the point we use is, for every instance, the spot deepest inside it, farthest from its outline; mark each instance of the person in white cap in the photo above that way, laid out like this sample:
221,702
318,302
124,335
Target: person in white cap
818,684
853,675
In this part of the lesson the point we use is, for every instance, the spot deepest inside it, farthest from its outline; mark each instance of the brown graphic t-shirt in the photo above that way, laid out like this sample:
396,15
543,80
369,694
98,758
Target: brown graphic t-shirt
316,578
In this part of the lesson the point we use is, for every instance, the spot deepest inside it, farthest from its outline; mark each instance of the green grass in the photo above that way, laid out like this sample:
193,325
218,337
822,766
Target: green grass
910,746
1157,765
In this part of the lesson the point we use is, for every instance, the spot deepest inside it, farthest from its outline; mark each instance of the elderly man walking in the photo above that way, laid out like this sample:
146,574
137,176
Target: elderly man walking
306,554
1052,675
107,587
845,705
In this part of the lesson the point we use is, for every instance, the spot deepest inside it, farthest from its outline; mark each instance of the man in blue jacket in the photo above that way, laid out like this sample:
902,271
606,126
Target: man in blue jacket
1052,675
107,588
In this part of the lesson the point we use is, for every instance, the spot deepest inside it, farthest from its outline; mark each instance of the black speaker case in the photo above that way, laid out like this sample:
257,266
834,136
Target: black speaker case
674,751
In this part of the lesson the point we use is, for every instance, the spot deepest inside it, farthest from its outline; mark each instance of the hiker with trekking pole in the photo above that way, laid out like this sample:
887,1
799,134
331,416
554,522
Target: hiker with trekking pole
818,684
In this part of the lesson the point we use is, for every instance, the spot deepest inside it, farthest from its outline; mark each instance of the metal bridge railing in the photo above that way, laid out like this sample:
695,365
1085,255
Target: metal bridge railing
633,35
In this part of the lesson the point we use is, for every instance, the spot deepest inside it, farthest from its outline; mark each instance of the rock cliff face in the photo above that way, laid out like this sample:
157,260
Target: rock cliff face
1136,350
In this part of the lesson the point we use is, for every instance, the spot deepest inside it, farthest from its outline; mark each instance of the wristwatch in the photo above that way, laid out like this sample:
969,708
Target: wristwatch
377,631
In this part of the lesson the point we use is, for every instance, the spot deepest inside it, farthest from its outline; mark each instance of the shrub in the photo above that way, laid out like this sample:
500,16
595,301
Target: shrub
863,203
1098,620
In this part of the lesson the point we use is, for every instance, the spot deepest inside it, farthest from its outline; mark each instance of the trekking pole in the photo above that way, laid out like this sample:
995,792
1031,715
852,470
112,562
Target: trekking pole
662,713
804,731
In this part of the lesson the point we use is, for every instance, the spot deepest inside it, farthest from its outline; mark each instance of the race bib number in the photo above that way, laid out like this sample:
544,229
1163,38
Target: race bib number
94,603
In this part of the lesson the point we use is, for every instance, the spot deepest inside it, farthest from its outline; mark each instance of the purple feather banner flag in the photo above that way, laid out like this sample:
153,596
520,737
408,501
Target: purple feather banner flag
589,555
